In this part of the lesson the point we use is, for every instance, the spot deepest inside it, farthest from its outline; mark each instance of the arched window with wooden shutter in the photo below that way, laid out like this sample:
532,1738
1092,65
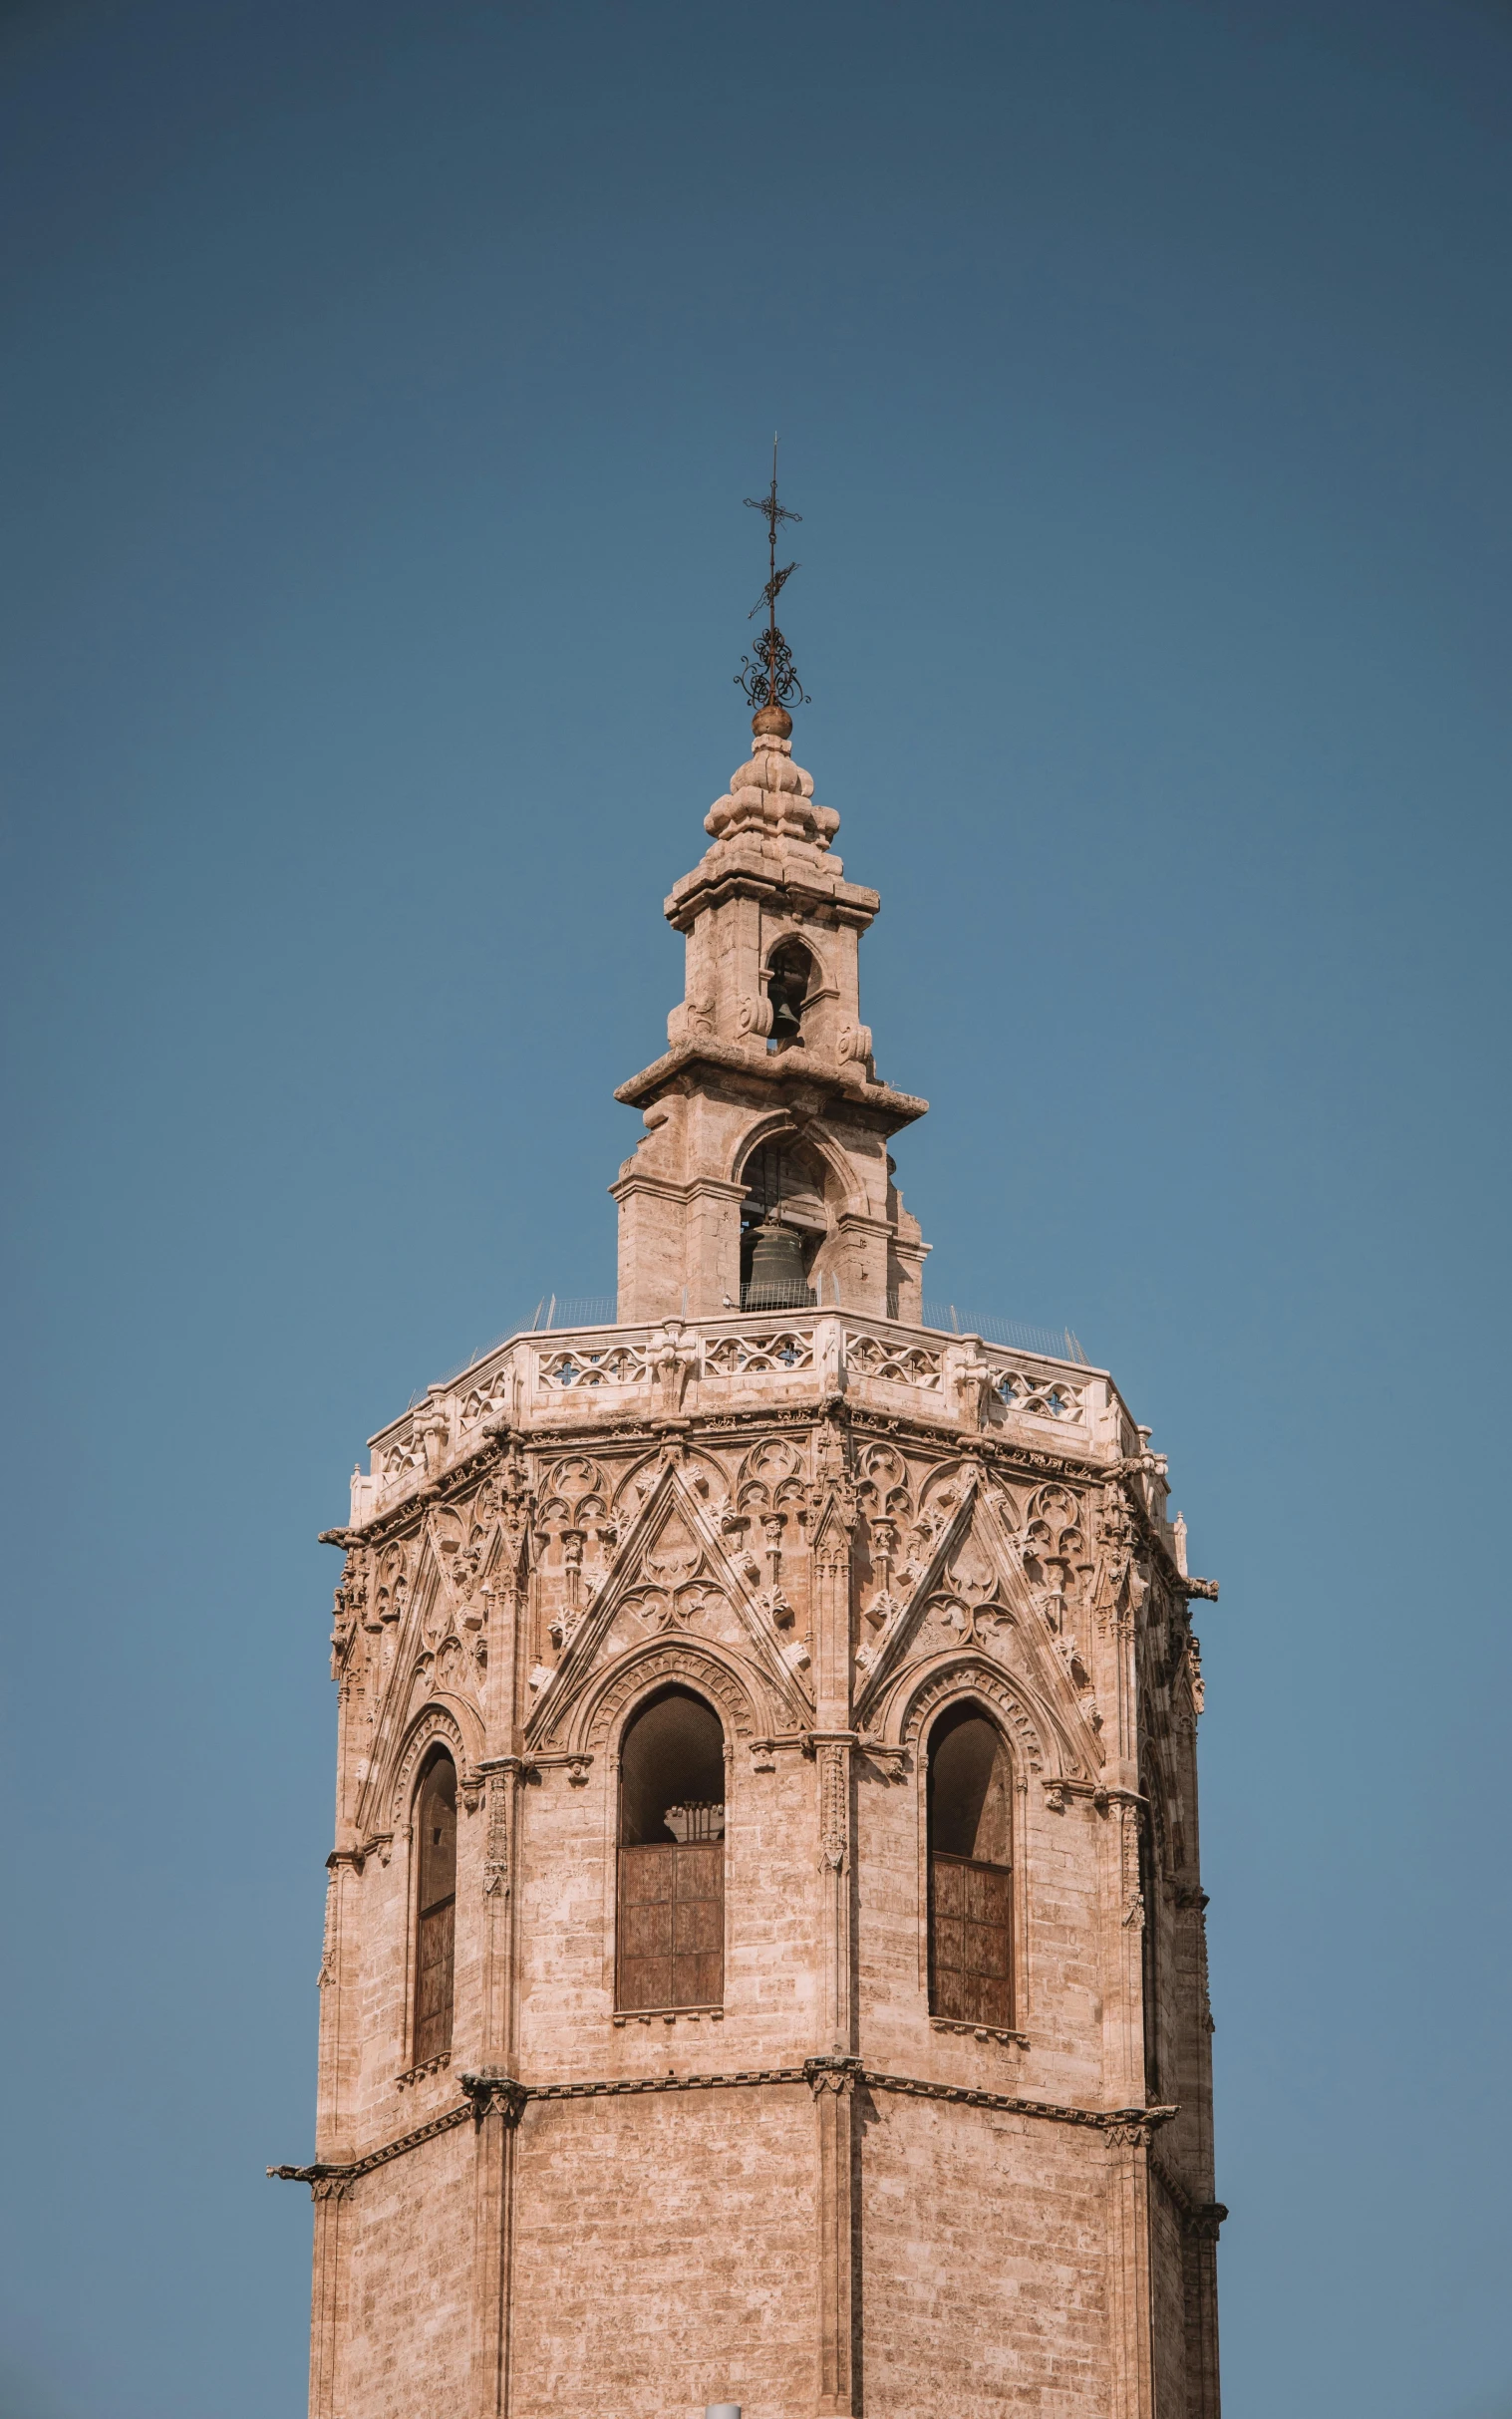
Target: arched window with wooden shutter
971,1881
435,1906
671,1933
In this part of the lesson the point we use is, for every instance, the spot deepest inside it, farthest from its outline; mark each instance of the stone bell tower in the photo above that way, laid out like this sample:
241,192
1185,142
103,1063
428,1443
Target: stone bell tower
763,1953
766,1124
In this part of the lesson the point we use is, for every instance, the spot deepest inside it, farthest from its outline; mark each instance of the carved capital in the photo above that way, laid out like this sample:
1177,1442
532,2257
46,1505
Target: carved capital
1135,2128
1128,2137
326,2183
492,2092
838,2075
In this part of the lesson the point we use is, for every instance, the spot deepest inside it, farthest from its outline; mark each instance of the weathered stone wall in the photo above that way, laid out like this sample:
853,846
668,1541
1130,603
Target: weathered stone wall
407,2233
1168,2306
664,2253
984,2263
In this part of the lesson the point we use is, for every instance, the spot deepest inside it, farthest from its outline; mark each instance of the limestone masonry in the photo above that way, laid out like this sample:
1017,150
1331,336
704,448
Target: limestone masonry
764,1953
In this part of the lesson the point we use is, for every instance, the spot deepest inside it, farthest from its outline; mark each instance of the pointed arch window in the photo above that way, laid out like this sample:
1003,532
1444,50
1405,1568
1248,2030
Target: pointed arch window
435,1906
671,1935
970,1801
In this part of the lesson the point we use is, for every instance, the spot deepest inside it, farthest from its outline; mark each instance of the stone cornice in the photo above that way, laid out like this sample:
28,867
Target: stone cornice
490,2086
746,873
892,1108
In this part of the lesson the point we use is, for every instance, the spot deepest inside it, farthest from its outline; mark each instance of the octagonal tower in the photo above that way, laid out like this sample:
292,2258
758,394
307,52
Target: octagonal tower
763,1953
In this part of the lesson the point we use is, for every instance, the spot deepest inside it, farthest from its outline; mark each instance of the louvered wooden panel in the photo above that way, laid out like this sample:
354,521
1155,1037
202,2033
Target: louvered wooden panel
698,1925
432,1981
645,1929
971,1940
672,1927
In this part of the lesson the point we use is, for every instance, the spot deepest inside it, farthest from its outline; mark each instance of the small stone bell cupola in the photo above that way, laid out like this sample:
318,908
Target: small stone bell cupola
764,1176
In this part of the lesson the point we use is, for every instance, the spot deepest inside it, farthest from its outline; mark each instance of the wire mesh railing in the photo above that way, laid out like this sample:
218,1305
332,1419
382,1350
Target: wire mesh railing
1052,1342
777,1298
573,1310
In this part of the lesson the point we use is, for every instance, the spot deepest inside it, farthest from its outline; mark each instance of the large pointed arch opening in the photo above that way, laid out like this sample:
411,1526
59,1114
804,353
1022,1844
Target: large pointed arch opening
670,1946
971,1877
435,1848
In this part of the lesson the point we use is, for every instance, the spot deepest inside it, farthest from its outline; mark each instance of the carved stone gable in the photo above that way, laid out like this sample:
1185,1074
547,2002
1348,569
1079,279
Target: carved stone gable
985,1588
674,1576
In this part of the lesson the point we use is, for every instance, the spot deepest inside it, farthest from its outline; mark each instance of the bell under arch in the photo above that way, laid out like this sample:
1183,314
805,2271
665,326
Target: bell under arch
785,1223
792,976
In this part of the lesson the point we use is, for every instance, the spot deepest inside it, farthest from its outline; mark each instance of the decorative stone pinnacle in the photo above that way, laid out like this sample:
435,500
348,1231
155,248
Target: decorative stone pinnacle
771,794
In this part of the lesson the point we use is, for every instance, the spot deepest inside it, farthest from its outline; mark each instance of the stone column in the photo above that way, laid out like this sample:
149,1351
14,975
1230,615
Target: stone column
497,2098
863,1250
1131,2366
832,1756
326,2314
831,2076
712,1262
501,1777
832,2082
497,2102
831,1523
335,2053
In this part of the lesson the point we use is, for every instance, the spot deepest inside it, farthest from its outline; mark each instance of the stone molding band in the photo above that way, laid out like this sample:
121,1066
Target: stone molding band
327,2176
490,2089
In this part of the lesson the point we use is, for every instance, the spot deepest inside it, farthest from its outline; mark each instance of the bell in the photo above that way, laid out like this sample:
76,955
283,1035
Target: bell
785,1022
777,1271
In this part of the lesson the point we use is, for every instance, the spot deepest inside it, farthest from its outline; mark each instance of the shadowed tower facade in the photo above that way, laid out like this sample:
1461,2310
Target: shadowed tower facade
764,1954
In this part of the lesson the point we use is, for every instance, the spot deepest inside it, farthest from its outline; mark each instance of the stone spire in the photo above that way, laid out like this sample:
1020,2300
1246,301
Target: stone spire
767,1105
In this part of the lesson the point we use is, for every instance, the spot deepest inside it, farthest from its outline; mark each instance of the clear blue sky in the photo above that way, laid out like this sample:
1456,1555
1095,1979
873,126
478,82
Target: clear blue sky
380,381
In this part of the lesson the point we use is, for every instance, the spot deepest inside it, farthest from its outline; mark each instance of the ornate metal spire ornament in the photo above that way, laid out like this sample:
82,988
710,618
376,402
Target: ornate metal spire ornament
769,677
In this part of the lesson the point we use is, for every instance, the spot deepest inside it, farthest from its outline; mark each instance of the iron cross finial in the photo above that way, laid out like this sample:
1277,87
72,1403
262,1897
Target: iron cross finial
770,679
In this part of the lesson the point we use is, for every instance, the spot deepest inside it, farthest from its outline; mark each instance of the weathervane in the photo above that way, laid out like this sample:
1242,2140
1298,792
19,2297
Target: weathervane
769,677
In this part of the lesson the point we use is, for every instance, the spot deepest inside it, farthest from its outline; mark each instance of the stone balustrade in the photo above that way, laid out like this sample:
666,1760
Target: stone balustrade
740,1362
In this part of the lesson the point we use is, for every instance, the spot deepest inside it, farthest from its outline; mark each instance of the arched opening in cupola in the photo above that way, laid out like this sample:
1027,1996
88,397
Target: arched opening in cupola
784,1225
434,1837
671,1941
971,1858
791,978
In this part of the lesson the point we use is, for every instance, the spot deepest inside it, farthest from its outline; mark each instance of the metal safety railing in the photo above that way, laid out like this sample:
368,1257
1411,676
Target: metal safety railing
1052,1342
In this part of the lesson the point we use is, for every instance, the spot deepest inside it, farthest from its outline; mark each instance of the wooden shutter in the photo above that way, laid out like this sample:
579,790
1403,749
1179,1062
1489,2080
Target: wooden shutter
671,1925
698,1924
970,1940
432,1981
